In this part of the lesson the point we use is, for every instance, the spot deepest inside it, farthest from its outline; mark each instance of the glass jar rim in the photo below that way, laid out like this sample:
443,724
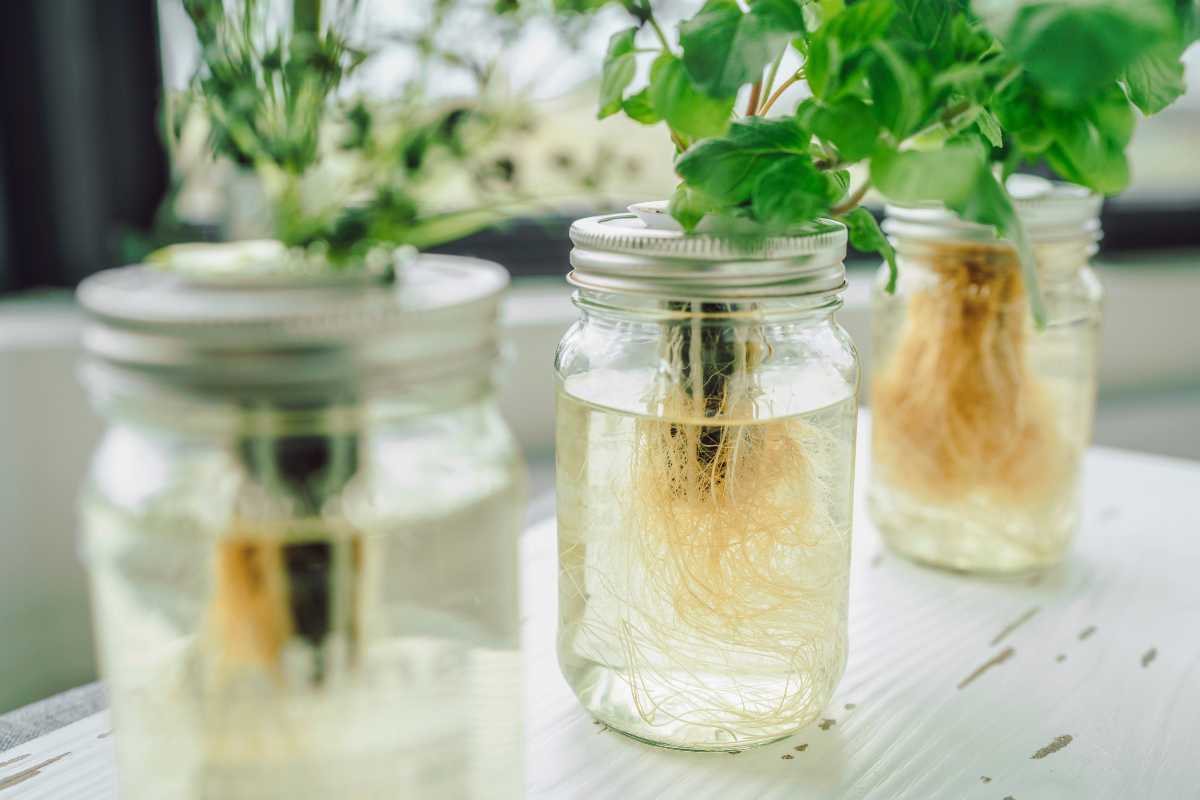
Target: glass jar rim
1050,211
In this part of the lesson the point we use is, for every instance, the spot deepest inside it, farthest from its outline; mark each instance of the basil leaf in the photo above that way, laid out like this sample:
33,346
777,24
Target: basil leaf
1089,146
620,65
689,205
728,168
784,16
685,108
1155,79
1074,49
835,44
791,191
725,48
639,108
989,126
866,236
912,177
896,90
849,125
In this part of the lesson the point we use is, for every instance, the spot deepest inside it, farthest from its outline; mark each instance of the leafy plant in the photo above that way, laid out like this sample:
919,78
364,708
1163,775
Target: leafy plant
936,99
342,174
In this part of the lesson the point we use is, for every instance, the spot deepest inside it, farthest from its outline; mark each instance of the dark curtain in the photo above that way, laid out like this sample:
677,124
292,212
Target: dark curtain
80,158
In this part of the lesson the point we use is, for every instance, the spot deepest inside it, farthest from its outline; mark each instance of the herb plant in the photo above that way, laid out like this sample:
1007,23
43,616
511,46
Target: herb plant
343,174
936,99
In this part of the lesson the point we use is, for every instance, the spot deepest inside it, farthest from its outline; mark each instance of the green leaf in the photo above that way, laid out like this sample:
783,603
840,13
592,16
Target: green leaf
725,48
786,16
866,236
791,191
620,65
1074,49
688,206
835,44
1089,146
897,91
639,108
685,108
911,177
849,125
823,65
728,168
989,126
1155,79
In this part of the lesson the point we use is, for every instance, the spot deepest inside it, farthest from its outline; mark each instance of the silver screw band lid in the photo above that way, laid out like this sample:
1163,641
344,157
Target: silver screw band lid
439,316
634,253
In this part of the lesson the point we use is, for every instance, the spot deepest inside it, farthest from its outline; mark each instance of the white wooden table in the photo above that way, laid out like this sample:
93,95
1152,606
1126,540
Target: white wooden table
1081,683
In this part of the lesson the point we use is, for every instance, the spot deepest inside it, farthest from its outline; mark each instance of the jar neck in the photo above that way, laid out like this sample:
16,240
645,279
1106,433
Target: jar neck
138,401
1057,260
620,307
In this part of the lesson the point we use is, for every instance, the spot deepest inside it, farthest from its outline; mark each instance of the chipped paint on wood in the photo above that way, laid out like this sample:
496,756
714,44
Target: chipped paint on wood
1058,744
1061,657
984,779
12,761
1012,626
994,661
32,772
800,748
1149,656
1086,632
826,724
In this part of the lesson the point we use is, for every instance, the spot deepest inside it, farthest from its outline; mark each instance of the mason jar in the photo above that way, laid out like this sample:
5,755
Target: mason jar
706,418
301,529
981,415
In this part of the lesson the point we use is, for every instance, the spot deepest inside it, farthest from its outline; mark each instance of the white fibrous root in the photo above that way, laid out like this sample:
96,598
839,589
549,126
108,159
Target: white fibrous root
957,410
725,586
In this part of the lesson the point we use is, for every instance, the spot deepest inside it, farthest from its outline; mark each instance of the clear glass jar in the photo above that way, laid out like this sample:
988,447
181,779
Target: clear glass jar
301,529
980,418
705,463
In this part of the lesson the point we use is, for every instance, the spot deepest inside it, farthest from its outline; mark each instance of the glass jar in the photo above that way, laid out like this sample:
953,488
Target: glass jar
301,530
980,418
705,462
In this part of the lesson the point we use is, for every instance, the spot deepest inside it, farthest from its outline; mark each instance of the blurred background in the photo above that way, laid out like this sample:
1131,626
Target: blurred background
83,175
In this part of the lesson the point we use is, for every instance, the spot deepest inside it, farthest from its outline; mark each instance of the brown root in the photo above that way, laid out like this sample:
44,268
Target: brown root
958,409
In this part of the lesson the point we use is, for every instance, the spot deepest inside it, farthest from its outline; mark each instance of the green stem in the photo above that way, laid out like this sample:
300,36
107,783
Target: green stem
772,73
662,37
306,16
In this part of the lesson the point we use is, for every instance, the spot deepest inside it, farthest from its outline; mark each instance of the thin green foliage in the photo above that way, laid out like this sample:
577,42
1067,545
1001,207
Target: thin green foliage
342,174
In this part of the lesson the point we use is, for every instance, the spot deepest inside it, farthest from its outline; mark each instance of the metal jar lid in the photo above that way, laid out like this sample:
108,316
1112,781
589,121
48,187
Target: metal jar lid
644,252
1051,211
292,337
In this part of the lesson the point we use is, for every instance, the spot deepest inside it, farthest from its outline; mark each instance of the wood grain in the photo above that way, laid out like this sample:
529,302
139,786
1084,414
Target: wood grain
1126,699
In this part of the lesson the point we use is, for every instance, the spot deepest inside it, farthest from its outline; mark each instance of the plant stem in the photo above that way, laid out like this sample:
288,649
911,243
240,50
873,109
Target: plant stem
662,37
772,72
798,75
853,200
752,104
306,16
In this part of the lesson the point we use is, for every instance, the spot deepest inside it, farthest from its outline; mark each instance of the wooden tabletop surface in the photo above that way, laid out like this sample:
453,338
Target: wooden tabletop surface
1083,682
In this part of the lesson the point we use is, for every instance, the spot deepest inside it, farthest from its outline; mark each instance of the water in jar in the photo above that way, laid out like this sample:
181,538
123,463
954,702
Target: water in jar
416,695
702,600
973,494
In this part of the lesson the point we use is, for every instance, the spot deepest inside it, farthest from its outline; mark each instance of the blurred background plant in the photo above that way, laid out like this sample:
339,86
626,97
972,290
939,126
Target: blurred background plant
275,119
